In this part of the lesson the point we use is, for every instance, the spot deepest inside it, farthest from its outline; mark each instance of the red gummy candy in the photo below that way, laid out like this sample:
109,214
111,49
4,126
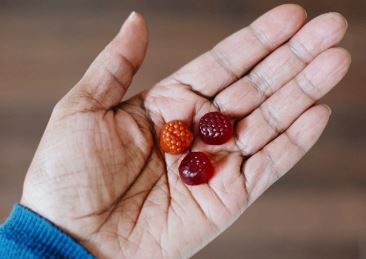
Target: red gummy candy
196,168
215,128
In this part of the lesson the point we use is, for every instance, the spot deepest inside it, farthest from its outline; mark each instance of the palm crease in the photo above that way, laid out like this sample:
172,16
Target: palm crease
99,173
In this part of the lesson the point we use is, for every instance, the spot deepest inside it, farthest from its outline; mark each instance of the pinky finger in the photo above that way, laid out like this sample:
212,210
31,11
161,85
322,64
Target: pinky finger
269,164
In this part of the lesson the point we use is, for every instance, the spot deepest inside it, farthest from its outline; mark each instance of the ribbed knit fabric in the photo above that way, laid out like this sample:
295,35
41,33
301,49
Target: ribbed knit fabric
25,234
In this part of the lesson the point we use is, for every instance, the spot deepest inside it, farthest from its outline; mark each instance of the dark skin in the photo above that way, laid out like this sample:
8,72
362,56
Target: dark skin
100,175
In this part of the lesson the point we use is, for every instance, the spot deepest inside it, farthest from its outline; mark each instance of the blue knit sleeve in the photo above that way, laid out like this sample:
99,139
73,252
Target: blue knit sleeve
25,234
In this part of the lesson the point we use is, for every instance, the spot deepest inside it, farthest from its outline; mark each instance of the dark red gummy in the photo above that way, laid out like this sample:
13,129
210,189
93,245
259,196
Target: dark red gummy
215,128
196,168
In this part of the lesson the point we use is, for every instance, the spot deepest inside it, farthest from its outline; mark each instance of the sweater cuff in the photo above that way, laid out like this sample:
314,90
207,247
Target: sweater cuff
26,234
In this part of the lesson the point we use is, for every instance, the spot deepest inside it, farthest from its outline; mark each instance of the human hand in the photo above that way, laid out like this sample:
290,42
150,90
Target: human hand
99,174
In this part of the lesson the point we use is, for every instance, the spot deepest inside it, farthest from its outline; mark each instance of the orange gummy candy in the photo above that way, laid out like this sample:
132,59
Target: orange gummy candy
175,137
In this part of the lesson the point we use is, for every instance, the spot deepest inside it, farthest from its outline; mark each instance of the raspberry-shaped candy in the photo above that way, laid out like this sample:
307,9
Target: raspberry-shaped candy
215,128
196,168
175,137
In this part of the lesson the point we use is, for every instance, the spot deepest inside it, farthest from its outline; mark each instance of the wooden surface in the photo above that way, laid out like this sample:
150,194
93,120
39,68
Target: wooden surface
316,211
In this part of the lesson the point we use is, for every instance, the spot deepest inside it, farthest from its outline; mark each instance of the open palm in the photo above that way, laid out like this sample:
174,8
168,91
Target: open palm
99,173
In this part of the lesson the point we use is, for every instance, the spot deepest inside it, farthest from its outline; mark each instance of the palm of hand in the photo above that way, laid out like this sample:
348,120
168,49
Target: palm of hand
105,180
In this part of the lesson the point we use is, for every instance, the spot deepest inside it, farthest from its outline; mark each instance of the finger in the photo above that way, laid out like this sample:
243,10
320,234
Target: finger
108,77
278,157
282,108
235,55
282,65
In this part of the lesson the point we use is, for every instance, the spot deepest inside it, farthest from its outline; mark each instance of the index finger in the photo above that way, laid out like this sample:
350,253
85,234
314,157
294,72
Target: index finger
235,55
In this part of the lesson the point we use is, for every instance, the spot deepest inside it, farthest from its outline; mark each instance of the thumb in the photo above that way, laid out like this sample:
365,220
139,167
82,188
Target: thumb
109,76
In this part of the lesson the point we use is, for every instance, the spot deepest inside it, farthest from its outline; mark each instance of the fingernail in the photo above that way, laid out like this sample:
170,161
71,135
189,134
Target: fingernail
328,108
306,14
129,19
132,16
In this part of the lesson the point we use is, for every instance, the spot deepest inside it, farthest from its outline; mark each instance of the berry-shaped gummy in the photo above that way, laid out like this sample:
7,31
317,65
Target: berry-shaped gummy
215,128
196,168
175,137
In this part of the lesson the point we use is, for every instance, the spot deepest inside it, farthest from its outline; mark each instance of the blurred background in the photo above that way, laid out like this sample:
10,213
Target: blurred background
316,211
